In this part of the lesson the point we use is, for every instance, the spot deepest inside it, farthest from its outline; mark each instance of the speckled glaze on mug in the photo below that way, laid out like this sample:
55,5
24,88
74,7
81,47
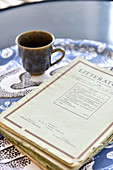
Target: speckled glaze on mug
35,49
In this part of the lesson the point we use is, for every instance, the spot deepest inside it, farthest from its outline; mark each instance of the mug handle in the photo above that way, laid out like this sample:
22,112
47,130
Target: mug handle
56,50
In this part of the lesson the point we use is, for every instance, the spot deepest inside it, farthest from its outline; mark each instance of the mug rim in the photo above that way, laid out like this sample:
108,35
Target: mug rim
45,46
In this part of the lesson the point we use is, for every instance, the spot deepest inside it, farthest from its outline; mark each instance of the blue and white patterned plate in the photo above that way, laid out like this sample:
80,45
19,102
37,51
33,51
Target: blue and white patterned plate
15,83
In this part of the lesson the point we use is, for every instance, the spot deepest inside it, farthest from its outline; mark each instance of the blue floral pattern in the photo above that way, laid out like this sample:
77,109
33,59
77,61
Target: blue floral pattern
95,52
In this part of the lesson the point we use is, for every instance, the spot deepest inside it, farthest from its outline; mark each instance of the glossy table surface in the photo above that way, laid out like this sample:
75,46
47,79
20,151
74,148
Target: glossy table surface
77,20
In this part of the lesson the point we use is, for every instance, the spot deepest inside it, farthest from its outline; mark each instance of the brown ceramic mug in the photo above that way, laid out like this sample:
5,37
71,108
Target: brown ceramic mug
35,49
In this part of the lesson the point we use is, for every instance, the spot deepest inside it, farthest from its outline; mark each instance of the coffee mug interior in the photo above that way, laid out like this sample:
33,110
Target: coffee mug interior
35,39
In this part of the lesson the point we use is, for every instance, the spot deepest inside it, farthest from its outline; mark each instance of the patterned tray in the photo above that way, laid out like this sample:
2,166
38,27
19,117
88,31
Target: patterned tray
15,83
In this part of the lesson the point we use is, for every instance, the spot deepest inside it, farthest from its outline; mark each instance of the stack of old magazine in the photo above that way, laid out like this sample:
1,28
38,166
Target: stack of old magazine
66,120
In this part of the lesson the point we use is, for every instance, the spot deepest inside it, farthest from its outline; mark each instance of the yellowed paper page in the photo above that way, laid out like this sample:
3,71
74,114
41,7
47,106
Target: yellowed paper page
68,115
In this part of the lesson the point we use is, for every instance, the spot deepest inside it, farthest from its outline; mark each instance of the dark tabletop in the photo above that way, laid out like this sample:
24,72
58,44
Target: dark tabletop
92,20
